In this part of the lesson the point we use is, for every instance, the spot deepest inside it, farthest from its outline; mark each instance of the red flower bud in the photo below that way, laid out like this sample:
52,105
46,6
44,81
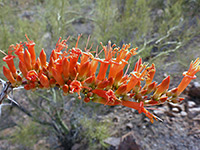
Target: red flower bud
121,90
83,69
43,58
38,64
65,88
52,81
7,73
65,67
27,87
58,77
27,60
86,99
103,84
44,80
51,65
58,65
161,88
118,77
23,68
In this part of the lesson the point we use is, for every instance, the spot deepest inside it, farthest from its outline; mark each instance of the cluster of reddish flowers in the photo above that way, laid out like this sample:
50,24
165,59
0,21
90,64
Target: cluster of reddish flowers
75,71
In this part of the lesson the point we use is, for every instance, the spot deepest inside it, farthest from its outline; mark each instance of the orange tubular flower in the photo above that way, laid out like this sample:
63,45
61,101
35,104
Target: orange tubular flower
19,79
121,90
138,73
9,60
38,64
122,57
27,87
116,67
75,52
53,55
103,84
105,63
43,58
31,50
85,57
150,75
23,68
65,67
189,75
84,69
27,60
161,88
111,81
118,77
19,51
109,97
93,66
58,65
151,87
7,73
131,53
44,80
89,81
133,81
58,77
102,70
140,108
51,65
61,44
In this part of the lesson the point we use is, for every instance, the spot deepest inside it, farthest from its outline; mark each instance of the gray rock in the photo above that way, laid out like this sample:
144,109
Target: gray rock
159,111
113,141
129,142
197,84
195,110
129,126
191,104
175,110
197,118
116,119
183,113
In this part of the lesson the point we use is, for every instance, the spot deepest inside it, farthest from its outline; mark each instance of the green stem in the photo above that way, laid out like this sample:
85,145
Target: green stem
61,123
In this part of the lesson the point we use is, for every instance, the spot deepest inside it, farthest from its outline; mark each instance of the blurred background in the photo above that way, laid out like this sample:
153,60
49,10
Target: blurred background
166,32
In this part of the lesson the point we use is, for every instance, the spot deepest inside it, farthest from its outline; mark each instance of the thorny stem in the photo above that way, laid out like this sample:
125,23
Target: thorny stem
61,123
35,119
57,123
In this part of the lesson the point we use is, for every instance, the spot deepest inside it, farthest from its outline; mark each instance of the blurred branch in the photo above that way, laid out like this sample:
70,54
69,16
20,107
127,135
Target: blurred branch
35,119
179,44
168,33
157,42
145,44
